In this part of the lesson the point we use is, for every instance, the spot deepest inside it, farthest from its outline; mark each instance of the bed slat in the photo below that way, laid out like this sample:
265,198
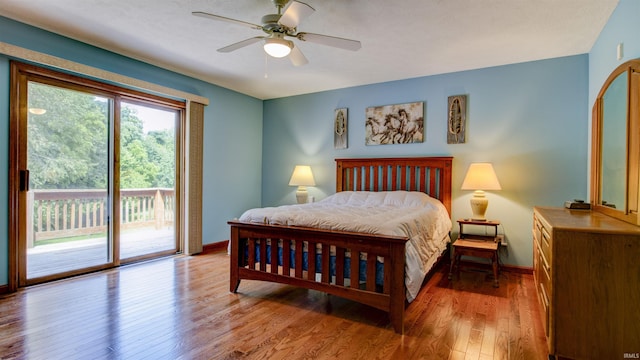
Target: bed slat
286,259
403,179
394,178
252,254
326,259
299,260
263,254
311,260
385,178
371,272
340,266
412,179
433,182
355,269
274,256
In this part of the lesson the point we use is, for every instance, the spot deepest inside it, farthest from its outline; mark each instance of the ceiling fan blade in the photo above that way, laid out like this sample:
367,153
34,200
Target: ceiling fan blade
294,13
240,44
230,20
296,57
341,43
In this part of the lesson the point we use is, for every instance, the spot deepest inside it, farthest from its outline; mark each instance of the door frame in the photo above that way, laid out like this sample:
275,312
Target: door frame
20,74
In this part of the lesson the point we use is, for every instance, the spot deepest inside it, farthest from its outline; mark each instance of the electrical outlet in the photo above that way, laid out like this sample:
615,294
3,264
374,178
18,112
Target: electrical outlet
501,240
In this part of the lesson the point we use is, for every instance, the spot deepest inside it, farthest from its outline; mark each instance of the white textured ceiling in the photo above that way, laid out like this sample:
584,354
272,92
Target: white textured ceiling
400,39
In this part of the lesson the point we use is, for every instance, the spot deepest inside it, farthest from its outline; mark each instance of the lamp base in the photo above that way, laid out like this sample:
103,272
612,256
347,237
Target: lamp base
479,205
302,196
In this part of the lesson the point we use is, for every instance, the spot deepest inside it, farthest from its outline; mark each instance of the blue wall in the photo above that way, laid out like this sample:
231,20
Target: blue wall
232,129
530,120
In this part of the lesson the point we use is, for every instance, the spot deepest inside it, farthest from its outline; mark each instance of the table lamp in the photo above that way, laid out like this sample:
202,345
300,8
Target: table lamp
480,177
302,177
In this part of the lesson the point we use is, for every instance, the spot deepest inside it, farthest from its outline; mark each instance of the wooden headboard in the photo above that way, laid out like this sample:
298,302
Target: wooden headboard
431,175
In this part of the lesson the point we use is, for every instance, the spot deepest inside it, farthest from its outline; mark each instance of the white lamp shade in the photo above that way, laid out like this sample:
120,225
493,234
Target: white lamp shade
481,176
277,47
302,176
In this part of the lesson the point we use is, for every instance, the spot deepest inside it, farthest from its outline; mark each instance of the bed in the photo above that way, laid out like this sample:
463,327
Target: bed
363,266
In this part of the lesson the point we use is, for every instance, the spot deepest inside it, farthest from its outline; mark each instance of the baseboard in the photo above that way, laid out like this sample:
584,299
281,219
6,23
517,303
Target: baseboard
215,247
517,269
4,289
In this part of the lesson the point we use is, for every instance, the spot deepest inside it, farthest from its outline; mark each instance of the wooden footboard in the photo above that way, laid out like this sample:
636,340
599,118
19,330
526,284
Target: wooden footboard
253,257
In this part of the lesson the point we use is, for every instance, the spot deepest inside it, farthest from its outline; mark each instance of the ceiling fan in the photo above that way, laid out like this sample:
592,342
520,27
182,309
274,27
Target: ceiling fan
278,27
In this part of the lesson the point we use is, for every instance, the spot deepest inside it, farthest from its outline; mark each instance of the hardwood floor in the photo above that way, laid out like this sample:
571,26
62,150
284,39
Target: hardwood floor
181,308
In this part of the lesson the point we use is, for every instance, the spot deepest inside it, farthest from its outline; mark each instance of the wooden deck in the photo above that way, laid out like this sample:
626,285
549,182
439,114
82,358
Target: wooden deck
49,259
180,308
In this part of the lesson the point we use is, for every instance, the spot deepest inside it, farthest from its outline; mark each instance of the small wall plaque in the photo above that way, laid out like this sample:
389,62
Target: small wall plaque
456,125
340,128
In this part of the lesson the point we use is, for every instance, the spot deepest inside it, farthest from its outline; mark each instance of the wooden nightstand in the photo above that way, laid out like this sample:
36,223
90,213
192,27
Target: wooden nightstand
483,246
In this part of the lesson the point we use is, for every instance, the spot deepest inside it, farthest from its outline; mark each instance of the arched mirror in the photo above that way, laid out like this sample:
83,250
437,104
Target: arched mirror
615,176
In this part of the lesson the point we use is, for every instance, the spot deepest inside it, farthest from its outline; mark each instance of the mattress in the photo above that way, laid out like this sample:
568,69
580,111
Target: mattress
421,218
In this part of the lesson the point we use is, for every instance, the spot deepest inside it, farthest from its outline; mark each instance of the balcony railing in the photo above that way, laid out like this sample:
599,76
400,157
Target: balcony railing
77,212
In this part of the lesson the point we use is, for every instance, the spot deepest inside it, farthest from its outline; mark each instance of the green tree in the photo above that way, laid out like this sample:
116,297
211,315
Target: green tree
160,146
68,145
136,171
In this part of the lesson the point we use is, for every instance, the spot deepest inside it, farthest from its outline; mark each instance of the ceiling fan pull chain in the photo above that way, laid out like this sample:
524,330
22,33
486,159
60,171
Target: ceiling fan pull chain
266,67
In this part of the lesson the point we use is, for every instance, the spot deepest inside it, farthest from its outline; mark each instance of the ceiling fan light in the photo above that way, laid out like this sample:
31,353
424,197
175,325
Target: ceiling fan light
277,47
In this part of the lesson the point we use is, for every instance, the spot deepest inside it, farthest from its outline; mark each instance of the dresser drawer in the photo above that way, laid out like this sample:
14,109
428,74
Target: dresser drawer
537,229
542,270
544,301
545,244
542,235
544,274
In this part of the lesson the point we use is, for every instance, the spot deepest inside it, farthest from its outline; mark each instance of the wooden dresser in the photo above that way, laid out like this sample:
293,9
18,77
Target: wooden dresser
587,272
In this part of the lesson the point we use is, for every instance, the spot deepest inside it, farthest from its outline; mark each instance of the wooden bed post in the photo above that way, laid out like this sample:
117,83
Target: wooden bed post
397,294
235,255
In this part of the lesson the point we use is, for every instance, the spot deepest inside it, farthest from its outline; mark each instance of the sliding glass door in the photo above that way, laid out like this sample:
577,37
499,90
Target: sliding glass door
67,197
98,171
147,180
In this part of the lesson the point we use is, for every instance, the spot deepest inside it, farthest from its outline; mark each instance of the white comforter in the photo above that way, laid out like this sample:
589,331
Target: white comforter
413,214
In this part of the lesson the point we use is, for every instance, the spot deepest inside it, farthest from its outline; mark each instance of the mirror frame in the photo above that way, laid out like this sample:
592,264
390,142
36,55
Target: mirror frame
632,197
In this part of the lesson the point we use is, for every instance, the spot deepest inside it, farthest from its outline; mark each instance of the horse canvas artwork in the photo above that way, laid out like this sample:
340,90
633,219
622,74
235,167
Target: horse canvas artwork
395,124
